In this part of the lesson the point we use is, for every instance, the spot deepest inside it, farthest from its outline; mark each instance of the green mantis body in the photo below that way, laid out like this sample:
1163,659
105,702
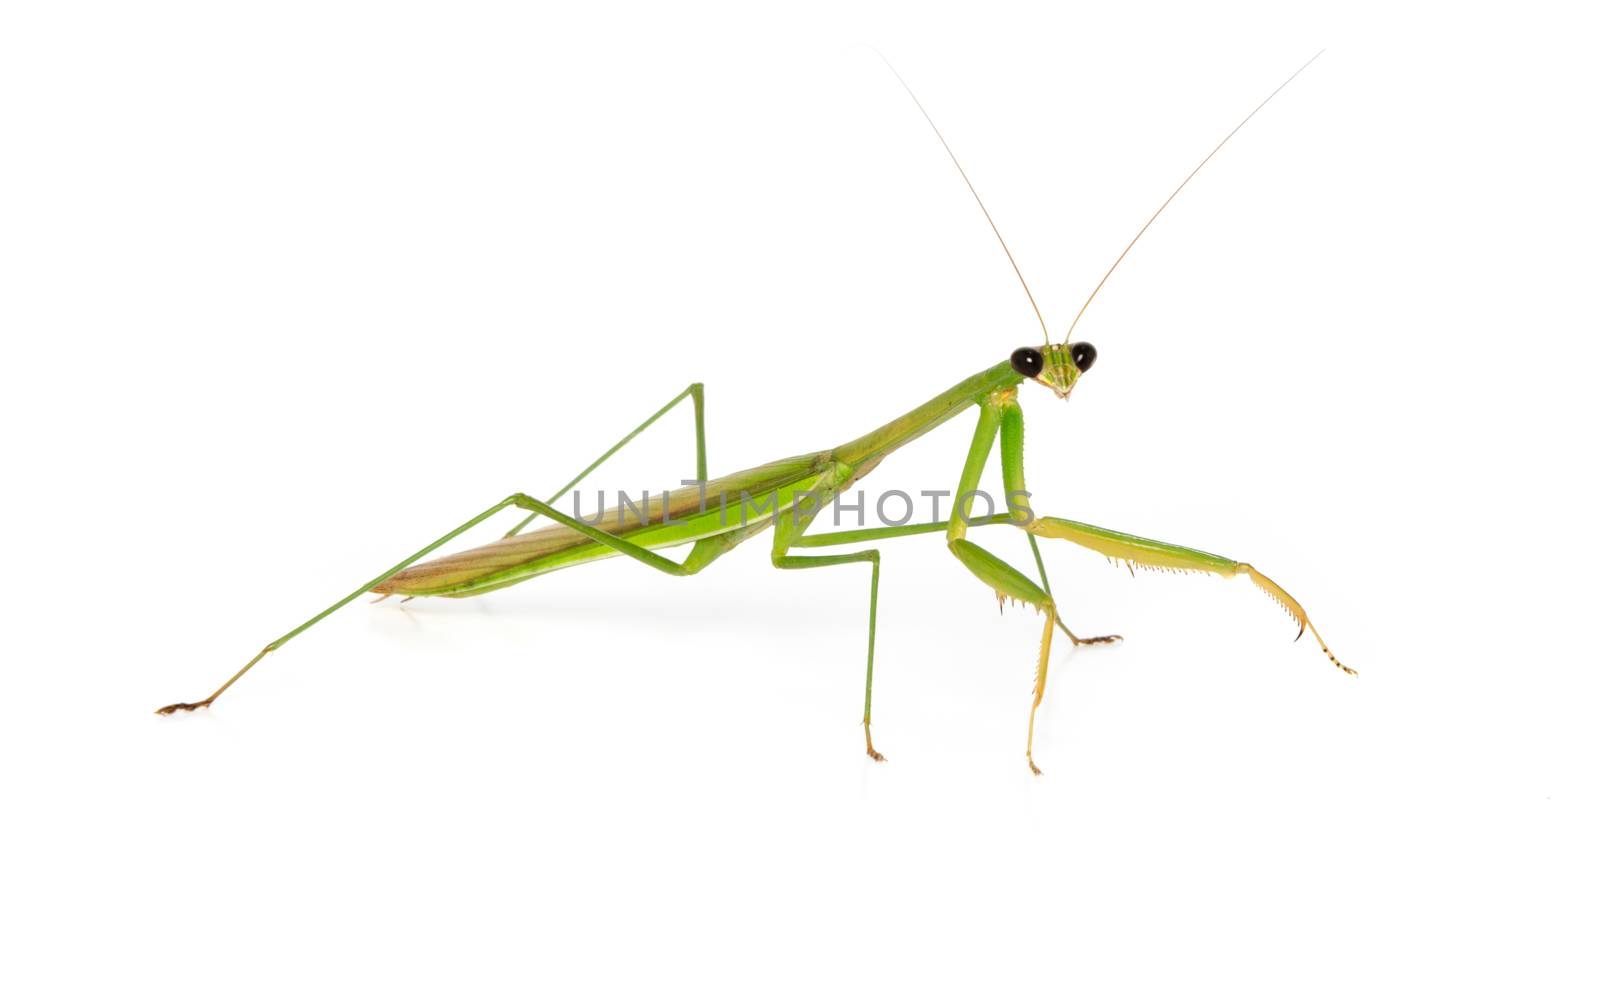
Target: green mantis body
790,494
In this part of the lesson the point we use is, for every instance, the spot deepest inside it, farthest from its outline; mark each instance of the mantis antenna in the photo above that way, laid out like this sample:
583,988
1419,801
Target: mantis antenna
973,189
1177,190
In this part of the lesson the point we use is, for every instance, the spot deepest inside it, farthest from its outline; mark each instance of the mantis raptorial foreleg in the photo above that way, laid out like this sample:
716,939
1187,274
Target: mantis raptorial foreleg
1006,581
1152,554
1001,412
699,557
1131,549
1017,492
697,392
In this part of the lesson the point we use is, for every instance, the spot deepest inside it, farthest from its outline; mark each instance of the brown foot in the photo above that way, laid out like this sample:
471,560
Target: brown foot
1095,640
1085,640
1033,766
185,706
872,752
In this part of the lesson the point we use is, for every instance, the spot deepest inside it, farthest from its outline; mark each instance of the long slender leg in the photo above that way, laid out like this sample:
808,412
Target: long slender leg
819,561
700,556
697,392
397,567
791,534
1152,554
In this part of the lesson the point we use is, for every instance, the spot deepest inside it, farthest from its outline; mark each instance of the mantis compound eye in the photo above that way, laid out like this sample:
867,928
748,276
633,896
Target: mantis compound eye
1027,361
1083,354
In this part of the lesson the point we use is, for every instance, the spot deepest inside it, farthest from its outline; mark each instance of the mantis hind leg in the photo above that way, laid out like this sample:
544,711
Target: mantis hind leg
1135,551
700,556
695,391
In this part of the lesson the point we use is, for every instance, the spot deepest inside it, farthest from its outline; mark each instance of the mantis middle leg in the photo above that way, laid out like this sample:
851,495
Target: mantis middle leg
1017,494
790,534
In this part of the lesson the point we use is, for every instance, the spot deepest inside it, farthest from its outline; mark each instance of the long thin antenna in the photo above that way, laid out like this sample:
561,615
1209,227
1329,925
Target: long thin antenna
970,188
1179,189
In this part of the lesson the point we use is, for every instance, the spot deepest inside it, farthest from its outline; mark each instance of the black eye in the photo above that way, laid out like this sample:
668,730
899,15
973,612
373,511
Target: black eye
1083,354
1027,361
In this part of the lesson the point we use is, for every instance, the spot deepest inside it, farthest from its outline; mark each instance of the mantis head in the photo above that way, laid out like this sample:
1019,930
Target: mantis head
1057,367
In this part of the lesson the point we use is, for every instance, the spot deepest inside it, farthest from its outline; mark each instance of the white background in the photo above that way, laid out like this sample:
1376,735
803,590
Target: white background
288,291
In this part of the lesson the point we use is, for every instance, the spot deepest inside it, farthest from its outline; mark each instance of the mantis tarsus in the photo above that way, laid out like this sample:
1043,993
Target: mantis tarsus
682,516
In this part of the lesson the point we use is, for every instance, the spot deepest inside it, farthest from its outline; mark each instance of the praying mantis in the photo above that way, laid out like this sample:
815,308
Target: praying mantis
795,489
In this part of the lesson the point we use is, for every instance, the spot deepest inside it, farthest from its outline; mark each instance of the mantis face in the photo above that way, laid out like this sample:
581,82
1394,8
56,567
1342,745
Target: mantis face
1056,367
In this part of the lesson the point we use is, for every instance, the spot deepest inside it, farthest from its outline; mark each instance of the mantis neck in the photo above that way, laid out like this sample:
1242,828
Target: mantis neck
941,408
